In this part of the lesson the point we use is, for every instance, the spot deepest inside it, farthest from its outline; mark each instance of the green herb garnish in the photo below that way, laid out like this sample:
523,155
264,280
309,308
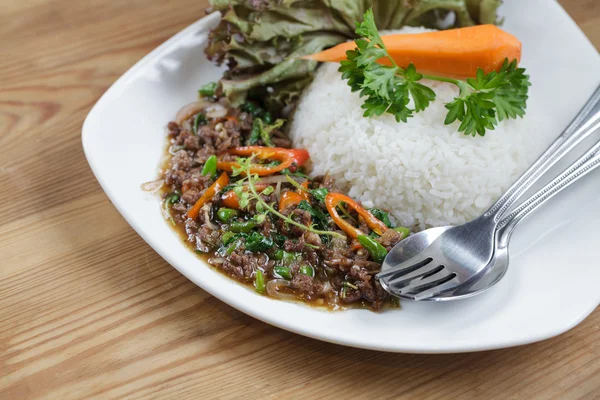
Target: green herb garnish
210,167
318,194
262,130
482,102
299,174
321,219
382,216
256,242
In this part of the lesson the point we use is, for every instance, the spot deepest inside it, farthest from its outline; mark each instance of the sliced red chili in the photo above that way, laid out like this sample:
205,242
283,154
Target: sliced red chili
288,158
332,200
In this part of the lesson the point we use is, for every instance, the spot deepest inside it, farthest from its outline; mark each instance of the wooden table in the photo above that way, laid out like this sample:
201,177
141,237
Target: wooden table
88,310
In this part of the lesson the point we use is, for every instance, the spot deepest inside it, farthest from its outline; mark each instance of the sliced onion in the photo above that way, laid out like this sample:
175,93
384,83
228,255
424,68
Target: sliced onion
274,286
215,110
193,108
278,191
326,288
216,260
207,222
152,186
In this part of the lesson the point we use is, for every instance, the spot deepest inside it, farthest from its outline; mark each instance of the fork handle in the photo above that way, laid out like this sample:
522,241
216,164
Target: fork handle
584,124
584,165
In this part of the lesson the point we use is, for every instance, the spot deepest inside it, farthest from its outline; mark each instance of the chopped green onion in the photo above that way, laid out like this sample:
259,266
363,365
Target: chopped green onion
278,255
232,247
208,90
242,226
210,167
227,237
377,251
259,281
307,270
289,258
226,214
283,272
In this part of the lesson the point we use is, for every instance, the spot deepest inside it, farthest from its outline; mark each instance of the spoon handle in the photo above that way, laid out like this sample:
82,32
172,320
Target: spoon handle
587,121
584,165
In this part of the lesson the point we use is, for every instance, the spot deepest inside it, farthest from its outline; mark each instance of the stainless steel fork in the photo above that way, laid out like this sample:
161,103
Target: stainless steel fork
461,252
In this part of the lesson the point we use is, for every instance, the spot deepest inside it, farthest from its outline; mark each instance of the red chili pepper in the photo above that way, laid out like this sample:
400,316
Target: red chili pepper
287,157
333,199
289,199
208,194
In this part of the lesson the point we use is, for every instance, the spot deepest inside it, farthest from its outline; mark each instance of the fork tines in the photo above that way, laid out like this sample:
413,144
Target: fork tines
418,280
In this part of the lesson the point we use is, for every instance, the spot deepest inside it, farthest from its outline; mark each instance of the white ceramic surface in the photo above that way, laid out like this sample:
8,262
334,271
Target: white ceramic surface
551,285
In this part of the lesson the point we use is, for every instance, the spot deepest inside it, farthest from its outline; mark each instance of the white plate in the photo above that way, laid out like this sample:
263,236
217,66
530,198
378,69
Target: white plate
550,287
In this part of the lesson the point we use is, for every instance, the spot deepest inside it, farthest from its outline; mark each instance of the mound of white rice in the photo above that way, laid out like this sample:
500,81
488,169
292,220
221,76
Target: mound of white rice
425,173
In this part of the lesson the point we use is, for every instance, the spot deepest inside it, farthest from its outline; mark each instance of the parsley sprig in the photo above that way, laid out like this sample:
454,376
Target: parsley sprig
482,102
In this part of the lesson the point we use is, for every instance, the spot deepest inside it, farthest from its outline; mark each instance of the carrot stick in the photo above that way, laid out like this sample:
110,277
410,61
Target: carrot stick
454,53
208,194
289,199
231,200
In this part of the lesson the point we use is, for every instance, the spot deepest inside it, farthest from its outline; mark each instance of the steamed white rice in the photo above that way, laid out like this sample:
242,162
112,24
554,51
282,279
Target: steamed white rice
425,173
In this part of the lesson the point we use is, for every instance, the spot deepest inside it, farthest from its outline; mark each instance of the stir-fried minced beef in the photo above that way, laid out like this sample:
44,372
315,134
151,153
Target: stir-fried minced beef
300,247
243,265
389,239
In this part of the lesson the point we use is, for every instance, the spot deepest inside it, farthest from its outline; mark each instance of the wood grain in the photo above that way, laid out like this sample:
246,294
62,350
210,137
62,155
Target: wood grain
89,311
